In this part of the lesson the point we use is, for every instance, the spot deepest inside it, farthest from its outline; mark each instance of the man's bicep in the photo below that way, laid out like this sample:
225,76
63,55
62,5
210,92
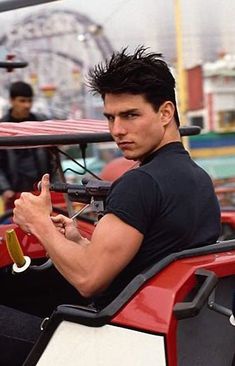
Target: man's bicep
114,243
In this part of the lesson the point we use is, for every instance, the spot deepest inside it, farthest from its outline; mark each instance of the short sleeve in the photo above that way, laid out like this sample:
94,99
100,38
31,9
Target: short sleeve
135,199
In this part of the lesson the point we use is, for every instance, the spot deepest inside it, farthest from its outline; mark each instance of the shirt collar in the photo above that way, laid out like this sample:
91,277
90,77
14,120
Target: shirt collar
172,146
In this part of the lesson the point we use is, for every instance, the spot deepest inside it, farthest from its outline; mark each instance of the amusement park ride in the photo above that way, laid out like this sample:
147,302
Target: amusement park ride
179,312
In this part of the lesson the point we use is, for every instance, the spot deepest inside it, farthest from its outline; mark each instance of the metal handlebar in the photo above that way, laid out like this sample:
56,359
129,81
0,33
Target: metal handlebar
90,189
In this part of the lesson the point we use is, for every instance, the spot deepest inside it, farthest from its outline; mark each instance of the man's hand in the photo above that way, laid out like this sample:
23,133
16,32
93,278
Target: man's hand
67,227
31,210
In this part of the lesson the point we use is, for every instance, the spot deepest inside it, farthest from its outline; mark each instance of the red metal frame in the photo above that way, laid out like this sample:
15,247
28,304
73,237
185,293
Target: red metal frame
228,217
151,309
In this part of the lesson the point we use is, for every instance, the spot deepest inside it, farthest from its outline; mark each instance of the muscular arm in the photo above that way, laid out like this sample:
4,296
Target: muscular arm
88,266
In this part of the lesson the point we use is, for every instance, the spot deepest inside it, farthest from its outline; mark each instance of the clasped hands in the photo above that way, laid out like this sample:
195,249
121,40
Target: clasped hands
31,210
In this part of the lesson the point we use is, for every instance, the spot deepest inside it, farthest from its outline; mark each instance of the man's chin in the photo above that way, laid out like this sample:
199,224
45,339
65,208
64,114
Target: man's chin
25,116
131,157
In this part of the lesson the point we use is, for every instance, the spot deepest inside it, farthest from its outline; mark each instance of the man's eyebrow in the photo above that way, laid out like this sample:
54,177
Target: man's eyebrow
107,115
122,113
132,110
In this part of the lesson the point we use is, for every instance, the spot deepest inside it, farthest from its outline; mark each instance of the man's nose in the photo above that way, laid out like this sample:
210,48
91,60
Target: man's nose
118,127
27,104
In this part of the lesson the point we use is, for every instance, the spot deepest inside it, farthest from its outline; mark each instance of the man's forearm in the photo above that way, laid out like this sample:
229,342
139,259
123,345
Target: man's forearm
72,260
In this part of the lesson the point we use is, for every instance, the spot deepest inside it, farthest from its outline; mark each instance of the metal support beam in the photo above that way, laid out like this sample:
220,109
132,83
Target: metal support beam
7,5
181,76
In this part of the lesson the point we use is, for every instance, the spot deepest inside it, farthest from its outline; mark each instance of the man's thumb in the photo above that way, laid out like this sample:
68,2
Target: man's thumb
45,184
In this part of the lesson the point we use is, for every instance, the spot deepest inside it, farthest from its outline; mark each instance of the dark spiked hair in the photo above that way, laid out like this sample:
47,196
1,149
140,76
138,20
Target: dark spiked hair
20,89
142,73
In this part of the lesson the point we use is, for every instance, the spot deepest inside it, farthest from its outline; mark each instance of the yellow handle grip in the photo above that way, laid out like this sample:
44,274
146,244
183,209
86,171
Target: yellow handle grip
14,248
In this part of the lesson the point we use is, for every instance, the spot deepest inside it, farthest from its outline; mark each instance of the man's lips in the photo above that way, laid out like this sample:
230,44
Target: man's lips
124,144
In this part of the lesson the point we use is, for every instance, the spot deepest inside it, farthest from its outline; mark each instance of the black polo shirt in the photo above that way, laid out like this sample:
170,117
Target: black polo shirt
171,201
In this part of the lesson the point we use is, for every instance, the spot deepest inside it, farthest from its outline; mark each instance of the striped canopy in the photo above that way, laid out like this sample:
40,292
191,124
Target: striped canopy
63,132
51,133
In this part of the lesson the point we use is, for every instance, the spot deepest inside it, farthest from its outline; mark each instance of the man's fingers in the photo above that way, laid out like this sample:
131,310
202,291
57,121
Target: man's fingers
61,218
45,185
58,218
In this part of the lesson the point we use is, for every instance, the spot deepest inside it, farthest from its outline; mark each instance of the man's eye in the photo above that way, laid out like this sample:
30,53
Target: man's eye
110,118
132,115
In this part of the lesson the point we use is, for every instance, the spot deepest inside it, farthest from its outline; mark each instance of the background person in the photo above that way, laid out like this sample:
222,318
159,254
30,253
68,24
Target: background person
20,169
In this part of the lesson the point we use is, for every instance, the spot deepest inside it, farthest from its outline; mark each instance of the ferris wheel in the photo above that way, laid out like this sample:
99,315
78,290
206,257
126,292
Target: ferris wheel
60,46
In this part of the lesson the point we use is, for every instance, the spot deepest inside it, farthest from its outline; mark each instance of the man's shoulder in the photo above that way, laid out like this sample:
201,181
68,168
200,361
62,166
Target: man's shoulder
40,116
133,180
33,116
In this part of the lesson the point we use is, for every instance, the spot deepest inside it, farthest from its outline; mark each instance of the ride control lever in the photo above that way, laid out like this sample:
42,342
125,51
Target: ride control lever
98,189
91,191
21,261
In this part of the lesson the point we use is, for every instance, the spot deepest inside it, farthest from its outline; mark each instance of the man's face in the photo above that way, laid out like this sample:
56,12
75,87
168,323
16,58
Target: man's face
135,126
21,106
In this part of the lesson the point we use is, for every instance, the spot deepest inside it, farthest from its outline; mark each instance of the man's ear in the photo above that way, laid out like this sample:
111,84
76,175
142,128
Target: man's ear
167,110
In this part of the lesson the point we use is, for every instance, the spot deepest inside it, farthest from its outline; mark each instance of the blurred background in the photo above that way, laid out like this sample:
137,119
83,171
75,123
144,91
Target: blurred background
63,39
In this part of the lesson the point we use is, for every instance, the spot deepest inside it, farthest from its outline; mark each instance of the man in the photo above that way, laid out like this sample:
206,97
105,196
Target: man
166,205
20,169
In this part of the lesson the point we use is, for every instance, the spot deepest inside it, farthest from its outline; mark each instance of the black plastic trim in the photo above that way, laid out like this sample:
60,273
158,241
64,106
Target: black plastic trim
189,130
69,139
10,65
208,280
51,140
